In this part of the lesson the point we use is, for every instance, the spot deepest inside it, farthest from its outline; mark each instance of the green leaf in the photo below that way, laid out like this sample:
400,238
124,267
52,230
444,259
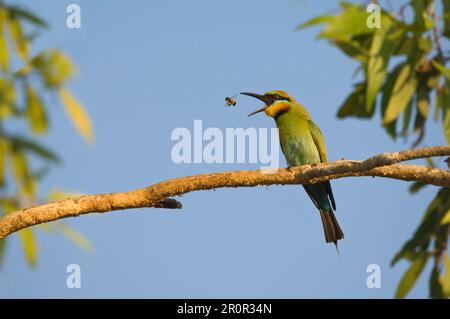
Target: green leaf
354,104
21,172
425,44
7,97
18,38
54,66
411,275
430,224
446,218
388,86
77,114
391,129
438,103
353,49
4,53
27,15
403,90
435,285
446,278
430,162
3,153
423,101
350,22
9,205
315,21
434,214
29,245
419,122
23,144
35,111
417,186
58,195
3,18
419,11
380,53
75,237
404,46
446,124
446,17
407,118
442,69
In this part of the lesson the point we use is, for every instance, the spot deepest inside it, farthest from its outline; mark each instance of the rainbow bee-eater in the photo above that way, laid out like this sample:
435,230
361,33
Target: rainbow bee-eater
302,143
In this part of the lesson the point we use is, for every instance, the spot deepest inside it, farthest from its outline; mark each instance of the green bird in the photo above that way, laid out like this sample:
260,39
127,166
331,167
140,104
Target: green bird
302,143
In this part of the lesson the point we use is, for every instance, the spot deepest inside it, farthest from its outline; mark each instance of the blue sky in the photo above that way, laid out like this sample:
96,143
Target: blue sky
148,67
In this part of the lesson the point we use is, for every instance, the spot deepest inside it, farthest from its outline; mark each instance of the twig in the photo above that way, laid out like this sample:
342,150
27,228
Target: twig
437,39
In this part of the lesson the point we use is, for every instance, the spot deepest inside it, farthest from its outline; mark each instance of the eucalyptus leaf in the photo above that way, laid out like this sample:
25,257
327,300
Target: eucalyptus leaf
446,277
315,21
21,173
54,66
380,53
435,284
446,18
417,186
411,275
407,118
27,15
446,124
24,144
442,69
29,245
7,97
18,38
350,22
446,218
428,226
354,105
3,154
35,110
77,114
402,92
75,237
4,53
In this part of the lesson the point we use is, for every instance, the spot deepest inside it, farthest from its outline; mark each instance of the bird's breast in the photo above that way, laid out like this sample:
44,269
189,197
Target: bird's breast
296,142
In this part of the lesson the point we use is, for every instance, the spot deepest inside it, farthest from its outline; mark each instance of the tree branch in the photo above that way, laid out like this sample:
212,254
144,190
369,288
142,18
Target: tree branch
157,195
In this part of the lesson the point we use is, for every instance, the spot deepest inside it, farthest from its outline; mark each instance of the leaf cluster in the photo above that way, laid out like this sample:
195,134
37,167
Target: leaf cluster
403,76
27,82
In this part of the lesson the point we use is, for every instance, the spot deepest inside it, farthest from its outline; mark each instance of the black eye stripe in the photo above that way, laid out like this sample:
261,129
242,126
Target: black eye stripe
277,97
280,98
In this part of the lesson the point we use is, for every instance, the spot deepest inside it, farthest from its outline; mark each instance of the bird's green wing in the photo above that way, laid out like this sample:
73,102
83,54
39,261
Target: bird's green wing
318,140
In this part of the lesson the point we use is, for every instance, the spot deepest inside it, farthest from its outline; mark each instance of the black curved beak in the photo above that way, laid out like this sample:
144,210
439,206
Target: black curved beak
266,99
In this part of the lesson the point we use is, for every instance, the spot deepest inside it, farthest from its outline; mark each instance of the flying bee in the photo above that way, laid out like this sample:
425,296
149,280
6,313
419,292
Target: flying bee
230,101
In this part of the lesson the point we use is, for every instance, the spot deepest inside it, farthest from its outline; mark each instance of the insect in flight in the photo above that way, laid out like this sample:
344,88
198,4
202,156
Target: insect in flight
230,101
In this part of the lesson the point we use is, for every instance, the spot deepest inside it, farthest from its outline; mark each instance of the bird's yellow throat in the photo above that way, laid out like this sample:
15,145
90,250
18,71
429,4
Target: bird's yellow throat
277,108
